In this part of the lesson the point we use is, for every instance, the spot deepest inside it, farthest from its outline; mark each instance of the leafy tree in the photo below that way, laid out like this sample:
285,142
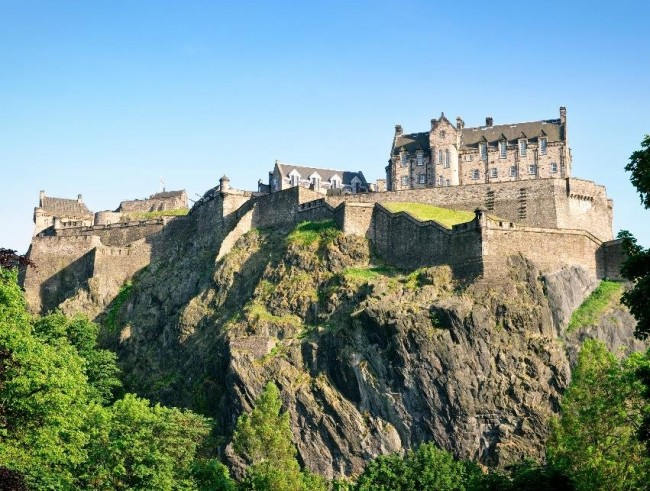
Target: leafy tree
263,439
527,476
10,259
595,442
639,167
426,468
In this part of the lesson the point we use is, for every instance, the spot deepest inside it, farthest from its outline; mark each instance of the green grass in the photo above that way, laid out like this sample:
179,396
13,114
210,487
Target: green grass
149,215
444,216
306,233
369,273
606,295
118,301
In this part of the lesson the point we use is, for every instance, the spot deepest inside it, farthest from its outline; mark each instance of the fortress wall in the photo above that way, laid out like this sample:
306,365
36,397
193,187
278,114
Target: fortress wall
107,217
408,243
119,234
117,264
357,219
314,211
584,205
544,203
550,249
610,258
281,208
154,204
62,265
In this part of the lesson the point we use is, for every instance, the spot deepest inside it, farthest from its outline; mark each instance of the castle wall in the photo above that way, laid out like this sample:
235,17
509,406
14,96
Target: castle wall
154,204
544,203
119,234
118,264
610,258
550,249
63,264
407,243
107,217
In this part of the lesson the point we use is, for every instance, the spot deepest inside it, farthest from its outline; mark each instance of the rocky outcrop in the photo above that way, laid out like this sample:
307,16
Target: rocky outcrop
369,359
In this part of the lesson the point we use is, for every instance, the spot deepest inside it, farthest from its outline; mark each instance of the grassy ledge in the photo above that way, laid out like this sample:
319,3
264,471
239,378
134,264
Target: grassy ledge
306,233
444,216
150,215
601,299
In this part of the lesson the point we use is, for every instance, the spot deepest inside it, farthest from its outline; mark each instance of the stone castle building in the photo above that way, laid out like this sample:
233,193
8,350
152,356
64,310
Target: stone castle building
285,175
60,212
452,155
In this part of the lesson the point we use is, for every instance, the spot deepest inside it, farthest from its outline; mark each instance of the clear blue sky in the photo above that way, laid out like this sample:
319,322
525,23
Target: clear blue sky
104,98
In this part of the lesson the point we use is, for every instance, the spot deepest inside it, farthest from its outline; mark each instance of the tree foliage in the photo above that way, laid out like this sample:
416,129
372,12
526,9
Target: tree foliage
595,441
426,468
639,167
10,259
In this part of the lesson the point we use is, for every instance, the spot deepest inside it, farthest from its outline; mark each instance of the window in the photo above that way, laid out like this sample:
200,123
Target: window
420,159
553,168
440,156
543,143
494,172
483,150
422,178
448,182
334,184
405,181
315,181
439,180
503,149
293,180
532,169
475,174
523,146
447,158
513,171
404,159
443,133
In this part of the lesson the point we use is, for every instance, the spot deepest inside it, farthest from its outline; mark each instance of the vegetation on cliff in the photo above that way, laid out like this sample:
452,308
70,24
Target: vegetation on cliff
422,211
607,295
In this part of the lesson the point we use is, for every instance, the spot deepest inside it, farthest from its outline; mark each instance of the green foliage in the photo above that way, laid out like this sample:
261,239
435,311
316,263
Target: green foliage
370,273
444,216
426,468
526,476
57,430
212,475
595,441
263,439
122,296
307,233
639,167
134,445
603,297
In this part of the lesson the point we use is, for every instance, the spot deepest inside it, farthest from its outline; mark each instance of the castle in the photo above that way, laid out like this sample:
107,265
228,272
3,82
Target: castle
550,217
449,155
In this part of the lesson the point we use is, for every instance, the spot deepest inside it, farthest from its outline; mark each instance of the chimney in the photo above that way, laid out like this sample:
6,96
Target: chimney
489,121
80,199
398,130
460,124
433,123
41,196
562,115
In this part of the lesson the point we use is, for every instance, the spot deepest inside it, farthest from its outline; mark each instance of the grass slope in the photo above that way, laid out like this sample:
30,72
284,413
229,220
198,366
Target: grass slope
601,299
444,216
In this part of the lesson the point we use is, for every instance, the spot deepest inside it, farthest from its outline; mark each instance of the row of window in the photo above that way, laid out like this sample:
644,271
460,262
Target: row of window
503,148
494,172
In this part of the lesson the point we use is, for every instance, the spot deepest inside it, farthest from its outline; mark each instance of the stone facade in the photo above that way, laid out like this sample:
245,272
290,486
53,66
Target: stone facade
452,155
286,175
165,201
60,212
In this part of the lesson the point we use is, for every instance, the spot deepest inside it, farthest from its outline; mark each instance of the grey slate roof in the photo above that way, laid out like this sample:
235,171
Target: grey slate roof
470,137
325,174
550,128
64,207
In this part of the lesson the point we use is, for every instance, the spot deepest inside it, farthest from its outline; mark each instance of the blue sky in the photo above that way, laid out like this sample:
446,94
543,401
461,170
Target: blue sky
104,98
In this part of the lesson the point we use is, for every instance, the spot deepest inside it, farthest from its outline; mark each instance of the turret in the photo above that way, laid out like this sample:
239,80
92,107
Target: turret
224,184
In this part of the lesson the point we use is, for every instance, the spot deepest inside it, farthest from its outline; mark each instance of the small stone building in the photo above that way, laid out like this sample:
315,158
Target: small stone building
165,201
286,175
60,212
452,155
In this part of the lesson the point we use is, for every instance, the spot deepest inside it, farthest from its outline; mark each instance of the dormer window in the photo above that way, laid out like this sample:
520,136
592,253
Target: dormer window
483,150
294,178
523,146
420,158
503,149
543,143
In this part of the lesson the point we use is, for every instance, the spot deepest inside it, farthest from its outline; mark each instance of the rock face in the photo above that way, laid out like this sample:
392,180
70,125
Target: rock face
369,359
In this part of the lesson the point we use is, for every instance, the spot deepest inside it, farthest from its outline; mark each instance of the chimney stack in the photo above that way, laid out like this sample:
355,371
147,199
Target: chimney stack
41,196
489,121
80,199
562,115
460,124
398,130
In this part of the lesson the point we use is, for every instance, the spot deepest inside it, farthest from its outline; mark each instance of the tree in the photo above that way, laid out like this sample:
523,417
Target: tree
594,442
263,439
426,468
639,167
9,259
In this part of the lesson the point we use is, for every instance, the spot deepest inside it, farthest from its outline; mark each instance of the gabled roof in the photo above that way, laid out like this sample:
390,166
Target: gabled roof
549,128
325,174
64,207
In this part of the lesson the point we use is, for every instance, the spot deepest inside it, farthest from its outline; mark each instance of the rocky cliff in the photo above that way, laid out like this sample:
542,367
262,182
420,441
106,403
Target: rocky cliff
369,359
